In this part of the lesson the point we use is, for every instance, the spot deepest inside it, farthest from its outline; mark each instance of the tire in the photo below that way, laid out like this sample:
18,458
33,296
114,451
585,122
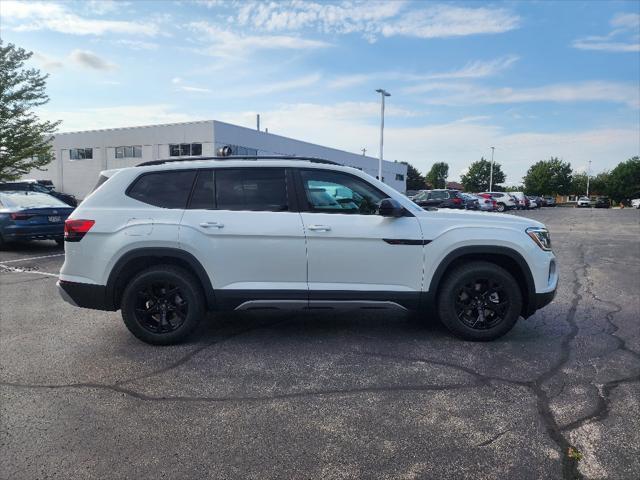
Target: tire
479,282
162,305
501,207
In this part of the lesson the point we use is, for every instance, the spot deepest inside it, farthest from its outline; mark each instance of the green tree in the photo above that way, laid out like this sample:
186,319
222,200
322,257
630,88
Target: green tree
415,180
437,176
579,184
514,188
599,185
477,177
548,177
25,140
624,180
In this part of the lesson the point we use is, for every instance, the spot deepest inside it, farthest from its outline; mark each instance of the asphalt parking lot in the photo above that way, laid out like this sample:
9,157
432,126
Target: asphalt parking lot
331,396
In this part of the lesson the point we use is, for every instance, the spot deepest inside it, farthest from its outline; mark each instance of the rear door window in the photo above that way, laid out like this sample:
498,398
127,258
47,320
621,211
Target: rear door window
251,189
168,189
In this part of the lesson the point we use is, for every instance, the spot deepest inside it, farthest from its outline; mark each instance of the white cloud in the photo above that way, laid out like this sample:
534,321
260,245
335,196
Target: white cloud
478,68
468,94
116,117
187,88
90,60
625,36
46,62
225,43
475,69
443,21
102,7
374,18
137,44
29,16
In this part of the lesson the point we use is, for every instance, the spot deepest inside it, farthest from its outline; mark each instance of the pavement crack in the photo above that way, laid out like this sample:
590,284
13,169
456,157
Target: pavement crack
249,398
194,352
486,443
601,412
569,465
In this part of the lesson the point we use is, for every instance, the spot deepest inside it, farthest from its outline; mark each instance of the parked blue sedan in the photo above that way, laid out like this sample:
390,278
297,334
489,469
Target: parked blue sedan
31,216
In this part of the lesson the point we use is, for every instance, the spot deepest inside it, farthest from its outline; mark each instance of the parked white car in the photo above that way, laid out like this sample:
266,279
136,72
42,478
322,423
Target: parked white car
166,241
583,202
635,203
504,201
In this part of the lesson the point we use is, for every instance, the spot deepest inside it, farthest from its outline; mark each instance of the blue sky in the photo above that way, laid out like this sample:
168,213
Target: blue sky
534,79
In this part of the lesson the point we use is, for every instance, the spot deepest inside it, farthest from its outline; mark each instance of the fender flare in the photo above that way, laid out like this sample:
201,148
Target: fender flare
529,284
166,252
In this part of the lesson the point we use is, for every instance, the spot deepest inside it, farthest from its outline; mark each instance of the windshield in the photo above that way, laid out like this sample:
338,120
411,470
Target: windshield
30,200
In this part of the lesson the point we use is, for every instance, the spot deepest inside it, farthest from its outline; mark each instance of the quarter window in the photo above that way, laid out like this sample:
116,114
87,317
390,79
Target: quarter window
168,189
335,192
185,149
261,189
80,153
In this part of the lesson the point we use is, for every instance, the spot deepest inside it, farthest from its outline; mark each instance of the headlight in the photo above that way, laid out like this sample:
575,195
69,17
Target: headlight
541,237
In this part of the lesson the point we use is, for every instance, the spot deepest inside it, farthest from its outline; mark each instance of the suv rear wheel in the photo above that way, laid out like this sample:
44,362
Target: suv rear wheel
162,305
502,207
479,301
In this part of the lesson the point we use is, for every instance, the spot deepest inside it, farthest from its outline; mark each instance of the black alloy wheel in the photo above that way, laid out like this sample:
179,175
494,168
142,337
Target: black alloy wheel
479,301
162,305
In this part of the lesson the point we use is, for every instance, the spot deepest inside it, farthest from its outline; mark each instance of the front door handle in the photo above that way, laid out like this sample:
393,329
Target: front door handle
319,228
211,225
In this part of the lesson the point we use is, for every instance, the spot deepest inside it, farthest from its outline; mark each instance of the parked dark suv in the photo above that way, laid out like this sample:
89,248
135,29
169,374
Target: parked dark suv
34,186
440,198
603,202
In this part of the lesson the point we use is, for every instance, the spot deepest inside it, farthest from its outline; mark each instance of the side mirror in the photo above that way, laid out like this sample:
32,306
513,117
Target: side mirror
391,208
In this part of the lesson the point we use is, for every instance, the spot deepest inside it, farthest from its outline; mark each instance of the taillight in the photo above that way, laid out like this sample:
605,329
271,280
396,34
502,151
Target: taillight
74,230
20,216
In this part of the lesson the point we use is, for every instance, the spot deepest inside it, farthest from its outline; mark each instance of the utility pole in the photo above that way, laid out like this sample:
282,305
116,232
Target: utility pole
588,175
364,151
383,93
491,170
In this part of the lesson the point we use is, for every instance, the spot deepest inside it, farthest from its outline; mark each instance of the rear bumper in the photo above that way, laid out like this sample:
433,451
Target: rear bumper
85,295
33,232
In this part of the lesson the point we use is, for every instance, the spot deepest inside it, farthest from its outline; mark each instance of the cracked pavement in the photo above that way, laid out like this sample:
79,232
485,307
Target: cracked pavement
335,396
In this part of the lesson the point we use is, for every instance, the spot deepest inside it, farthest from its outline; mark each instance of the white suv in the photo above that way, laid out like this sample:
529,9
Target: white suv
504,201
169,240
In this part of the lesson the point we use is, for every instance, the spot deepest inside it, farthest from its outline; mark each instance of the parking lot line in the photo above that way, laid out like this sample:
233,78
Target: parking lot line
33,258
8,269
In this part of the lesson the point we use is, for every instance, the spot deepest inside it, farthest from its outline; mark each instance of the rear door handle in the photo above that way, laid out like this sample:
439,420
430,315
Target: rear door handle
211,225
319,228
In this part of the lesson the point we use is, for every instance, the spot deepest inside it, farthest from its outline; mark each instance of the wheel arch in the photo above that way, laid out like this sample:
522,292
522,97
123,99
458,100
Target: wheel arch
139,259
505,257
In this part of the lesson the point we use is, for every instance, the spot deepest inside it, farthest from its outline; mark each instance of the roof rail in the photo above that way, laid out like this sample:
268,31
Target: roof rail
239,157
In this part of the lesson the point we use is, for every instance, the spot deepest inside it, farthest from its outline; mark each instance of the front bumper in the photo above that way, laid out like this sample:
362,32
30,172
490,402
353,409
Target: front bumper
85,295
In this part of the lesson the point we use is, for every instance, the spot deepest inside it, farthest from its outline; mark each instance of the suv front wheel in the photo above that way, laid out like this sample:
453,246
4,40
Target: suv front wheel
479,301
162,305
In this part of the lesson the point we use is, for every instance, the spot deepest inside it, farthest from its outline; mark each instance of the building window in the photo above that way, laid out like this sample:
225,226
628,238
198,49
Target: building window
399,177
134,151
185,149
80,153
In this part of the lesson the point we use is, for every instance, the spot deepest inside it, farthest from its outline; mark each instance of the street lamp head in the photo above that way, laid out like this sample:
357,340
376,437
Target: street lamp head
383,92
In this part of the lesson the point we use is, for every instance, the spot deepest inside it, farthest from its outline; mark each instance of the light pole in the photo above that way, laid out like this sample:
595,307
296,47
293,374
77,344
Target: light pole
383,93
491,170
588,175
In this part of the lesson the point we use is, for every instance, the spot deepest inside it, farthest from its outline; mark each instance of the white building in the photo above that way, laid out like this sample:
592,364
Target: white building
80,156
